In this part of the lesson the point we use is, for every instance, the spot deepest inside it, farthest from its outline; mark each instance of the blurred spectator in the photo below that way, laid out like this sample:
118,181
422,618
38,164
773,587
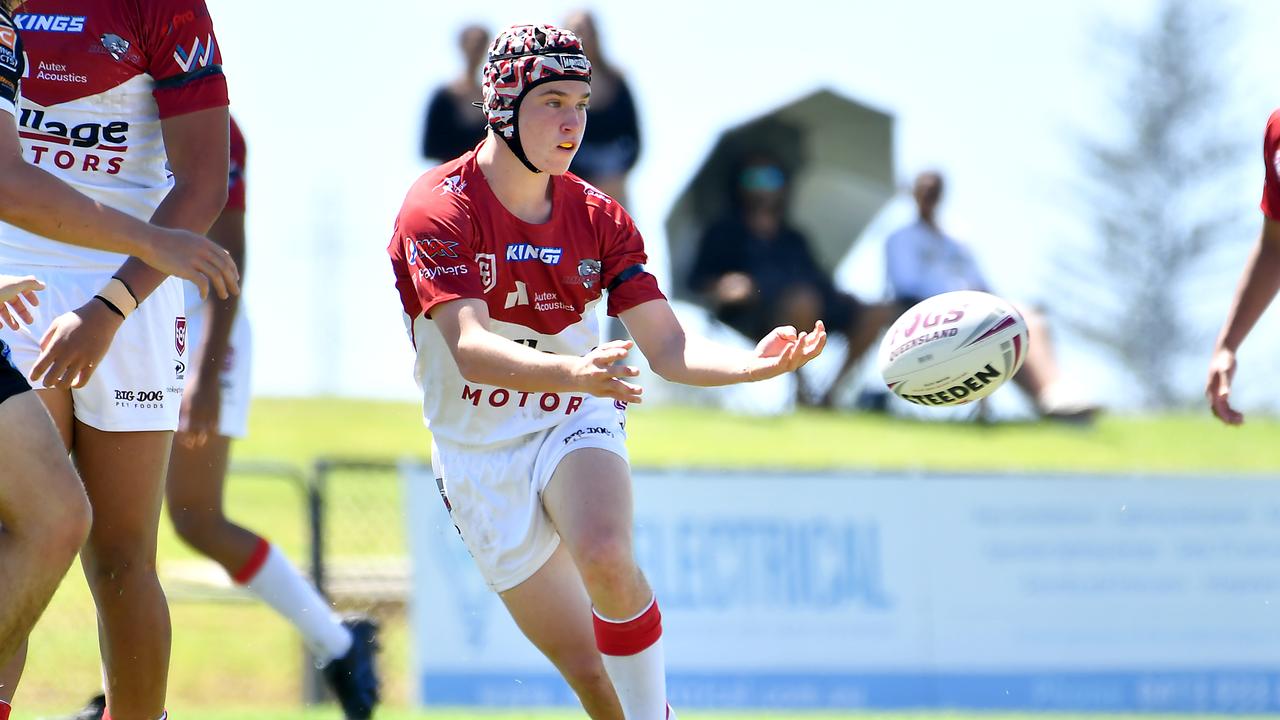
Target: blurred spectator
924,261
453,124
758,272
611,144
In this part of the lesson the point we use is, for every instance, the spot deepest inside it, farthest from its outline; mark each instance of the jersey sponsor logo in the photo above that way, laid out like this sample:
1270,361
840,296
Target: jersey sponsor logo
179,370
85,135
588,273
57,72
1275,162
592,192
520,252
180,334
501,397
50,23
116,46
547,301
452,184
432,248
488,263
9,38
200,55
517,297
431,273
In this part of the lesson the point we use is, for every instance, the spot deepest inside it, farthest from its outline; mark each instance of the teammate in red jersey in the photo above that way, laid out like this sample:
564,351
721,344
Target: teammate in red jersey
501,258
126,103
1258,285
215,409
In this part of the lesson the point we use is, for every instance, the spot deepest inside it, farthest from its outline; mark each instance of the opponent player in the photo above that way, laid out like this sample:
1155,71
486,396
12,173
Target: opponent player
215,409
1258,284
501,258
125,102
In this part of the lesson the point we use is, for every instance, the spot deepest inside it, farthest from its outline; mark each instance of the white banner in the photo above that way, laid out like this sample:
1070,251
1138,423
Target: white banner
894,590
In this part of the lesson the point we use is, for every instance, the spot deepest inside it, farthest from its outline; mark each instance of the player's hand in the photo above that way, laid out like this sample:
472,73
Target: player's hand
599,373
1218,390
74,345
195,258
201,409
784,351
16,294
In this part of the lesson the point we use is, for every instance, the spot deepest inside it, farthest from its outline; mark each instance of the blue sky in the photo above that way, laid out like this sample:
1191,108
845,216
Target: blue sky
993,92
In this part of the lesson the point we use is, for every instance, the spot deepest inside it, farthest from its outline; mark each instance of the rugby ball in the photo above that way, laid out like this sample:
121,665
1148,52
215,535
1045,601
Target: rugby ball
953,348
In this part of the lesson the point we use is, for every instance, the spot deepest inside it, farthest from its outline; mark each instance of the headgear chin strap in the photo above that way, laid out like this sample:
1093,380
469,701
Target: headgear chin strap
521,58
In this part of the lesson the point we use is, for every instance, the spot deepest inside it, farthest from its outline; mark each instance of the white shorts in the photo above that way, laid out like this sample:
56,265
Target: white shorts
138,386
494,492
233,417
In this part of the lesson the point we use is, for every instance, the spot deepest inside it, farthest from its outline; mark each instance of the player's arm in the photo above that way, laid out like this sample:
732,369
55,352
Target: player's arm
197,146
678,356
38,202
1258,286
202,404
487,358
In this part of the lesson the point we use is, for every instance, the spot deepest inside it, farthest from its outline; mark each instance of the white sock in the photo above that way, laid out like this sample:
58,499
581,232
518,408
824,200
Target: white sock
279,584
632,653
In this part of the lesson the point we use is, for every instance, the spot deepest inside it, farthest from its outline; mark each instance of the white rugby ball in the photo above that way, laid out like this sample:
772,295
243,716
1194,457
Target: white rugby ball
953,348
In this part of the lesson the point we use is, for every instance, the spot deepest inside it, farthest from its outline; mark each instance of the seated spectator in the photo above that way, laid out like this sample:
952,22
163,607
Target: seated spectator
924,261
611,143
758,272
454,124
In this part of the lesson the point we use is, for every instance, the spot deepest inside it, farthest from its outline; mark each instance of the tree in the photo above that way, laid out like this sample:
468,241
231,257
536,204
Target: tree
1158,197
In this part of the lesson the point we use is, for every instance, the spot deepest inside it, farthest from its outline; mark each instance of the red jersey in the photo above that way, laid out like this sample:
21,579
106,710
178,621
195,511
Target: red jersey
1271,158
542,283
99,77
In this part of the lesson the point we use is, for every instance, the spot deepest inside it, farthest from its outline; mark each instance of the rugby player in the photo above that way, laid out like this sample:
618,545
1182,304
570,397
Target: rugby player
126,103
501,258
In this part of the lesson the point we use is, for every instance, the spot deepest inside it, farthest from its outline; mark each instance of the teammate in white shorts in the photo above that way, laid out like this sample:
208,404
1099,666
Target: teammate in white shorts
134,117
44,514
501,258
215,409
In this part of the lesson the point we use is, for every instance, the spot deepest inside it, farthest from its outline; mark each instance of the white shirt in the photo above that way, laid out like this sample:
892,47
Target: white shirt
923,262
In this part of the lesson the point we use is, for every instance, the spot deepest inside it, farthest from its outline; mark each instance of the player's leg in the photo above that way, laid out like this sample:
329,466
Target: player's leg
44,518
58,406
123,473
194,490
553,610
589,501
1040,377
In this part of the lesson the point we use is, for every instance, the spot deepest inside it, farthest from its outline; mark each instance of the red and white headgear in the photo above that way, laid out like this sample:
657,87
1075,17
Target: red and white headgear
521,58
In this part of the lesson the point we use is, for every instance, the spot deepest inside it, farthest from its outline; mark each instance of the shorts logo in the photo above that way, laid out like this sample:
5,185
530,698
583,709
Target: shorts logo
140,399
488,263
584,432
117,46
199,56
524,251
180,334
50,23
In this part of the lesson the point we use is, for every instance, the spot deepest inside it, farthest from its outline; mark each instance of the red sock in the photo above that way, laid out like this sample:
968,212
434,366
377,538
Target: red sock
252,566
5,709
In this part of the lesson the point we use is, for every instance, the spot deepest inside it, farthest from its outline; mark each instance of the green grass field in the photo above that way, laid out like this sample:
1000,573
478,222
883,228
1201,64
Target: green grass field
237,654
